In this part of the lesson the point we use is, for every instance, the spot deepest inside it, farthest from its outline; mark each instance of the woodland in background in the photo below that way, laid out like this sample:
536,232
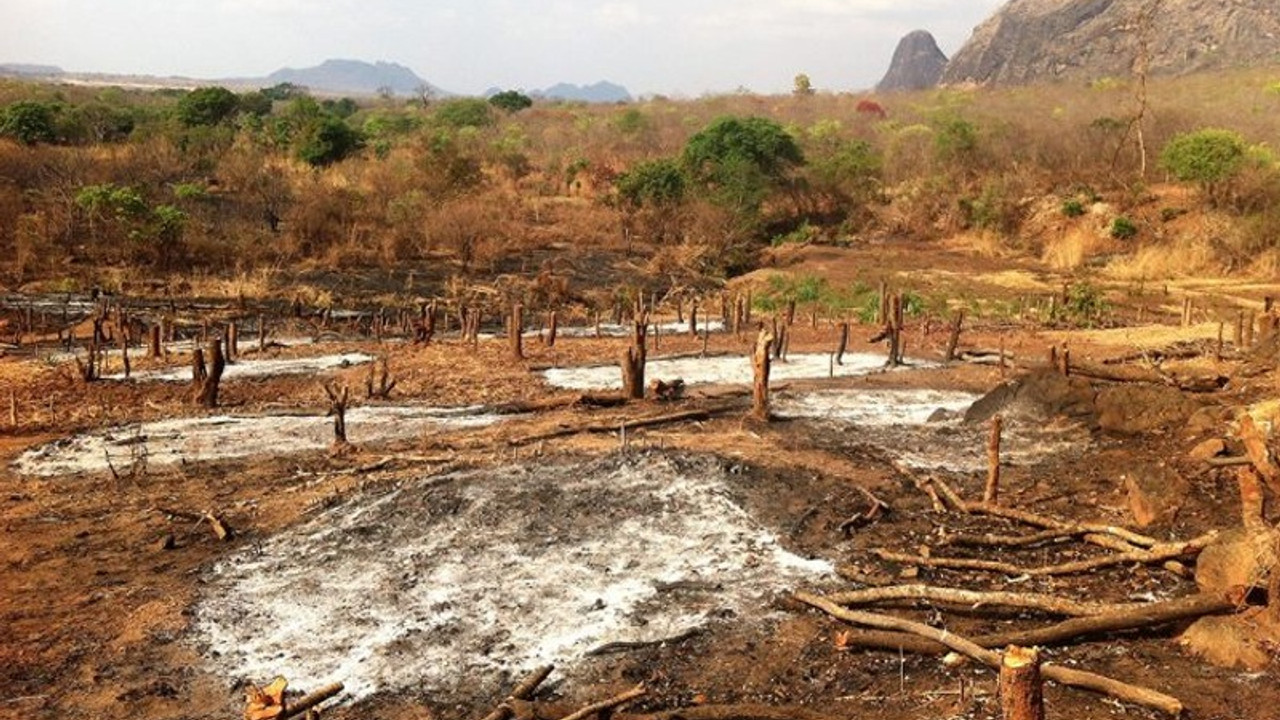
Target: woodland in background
143,192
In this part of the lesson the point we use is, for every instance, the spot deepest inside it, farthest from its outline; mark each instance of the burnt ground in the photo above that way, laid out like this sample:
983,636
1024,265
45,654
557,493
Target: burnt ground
99,618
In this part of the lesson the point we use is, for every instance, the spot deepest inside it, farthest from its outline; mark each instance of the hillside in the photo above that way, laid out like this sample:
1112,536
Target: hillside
917,64
1045,40
601,92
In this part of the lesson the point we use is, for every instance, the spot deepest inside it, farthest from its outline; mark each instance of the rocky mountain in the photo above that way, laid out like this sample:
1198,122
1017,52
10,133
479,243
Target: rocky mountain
1045,40
917,64
601,92
29,70
352,77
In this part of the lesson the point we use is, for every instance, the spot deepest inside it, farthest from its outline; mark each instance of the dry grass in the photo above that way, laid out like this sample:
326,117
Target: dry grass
1075,247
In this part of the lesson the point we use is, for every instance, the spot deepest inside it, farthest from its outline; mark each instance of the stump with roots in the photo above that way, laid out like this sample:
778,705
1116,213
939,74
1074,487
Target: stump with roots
339,398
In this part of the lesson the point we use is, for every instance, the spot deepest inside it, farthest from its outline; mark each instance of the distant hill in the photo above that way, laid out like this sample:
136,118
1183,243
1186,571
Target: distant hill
353,77
601,92
1029,41
27,70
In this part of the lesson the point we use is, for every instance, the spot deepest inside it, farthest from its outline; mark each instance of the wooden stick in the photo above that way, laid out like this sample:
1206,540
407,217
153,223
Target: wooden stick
732,712
613,702
523,691
311,700
1075,678
1157,554
1009,541
992,494
1068,631
975,599
1021,688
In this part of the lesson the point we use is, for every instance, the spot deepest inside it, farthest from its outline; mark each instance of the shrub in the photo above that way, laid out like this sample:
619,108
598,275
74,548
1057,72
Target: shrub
1073,208
207,106
29,122
511,101
1122,228
652,183
464,113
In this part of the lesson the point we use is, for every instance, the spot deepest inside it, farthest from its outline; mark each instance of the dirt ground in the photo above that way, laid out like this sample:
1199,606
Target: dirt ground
97,610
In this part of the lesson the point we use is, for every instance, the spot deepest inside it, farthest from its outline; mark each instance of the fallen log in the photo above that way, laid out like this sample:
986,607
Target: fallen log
1074,678
975,599
732,712
1156,554
614,425
1012,541
1121,619
1122,374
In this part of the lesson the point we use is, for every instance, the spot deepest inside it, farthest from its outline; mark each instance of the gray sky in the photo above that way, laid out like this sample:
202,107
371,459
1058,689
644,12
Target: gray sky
683,47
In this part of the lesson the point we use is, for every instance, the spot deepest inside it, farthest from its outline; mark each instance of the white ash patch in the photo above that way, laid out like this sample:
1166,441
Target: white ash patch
449,585
248,345
256,368
720,370
223,437
886,407
612,330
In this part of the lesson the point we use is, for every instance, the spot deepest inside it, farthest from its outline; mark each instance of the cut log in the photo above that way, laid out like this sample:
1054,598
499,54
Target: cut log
604,705
732,712
523,691
974,599
992,494
1074,678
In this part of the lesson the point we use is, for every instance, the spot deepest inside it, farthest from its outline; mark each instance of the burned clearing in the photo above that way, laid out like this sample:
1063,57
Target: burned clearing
420,526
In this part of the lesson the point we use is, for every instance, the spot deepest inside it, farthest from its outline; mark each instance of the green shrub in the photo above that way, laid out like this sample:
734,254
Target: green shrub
1122,228
1207,157
1073,208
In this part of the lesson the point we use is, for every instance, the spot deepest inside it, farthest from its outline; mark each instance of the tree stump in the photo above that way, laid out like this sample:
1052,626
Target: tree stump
843,343
338,400
1021,687
208,393
953,342
155,349
693,319
760,365
515,331
992,494
633,362
553,326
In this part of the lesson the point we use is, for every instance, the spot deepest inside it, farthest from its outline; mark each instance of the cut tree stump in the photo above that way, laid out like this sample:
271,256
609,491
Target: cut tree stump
208,393
760,365
1021,687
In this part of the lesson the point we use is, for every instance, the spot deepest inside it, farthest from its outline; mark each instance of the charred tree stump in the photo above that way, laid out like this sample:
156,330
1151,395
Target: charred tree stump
992,494
760,366
233,341
379,383
1064,362
779,338
553,326
198,370
739,316
124,354
633,362
338,400
791,313
693,319
1021,687
953,342
515,331
208,394
1248,330
155,350
843,344
1237,337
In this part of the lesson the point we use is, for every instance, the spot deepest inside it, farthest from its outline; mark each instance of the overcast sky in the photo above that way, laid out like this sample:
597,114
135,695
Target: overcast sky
685,47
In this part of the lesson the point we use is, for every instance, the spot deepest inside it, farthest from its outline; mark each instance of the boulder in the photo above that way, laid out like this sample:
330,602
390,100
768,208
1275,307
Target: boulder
1156,494
1239,558
1240,642
1208,450
1040,395
1134,408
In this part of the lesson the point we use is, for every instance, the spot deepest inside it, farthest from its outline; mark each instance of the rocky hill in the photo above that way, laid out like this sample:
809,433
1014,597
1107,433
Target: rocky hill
917,64
352,77
1044,40
601,92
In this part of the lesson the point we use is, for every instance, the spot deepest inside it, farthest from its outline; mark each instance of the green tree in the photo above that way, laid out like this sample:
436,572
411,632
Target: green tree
1208,158
511,101
327,140
207,106
803,86
29,122
740,161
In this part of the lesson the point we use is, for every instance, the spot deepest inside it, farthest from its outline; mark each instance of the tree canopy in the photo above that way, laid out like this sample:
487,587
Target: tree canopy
741,160
207,106
511,101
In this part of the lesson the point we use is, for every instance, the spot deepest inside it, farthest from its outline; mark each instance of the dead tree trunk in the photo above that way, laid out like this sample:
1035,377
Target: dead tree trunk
379,383
693,318
992,494
553,326
198,370
760,365
633,362
515,331
233,341
895,330
791,312
208,394
953,342
155,341
843,343
1021,687
124,354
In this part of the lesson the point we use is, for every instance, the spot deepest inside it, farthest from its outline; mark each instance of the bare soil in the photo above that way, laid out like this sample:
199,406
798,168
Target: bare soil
99,617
